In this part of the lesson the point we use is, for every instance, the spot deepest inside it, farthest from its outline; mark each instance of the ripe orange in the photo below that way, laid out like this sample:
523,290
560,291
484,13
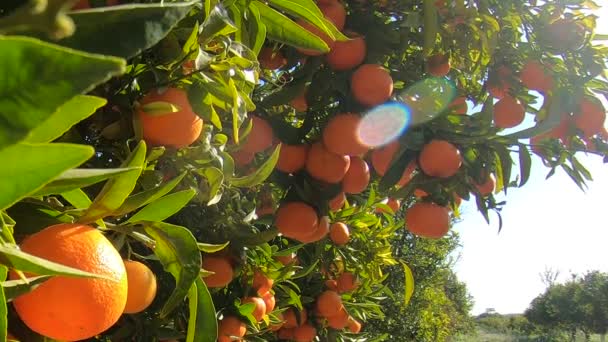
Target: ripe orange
354,326
427,220
261,283
285,333
392,203
270,59
346,55
499,82
371,84
408,173
260,137
339,234
222,269
438,65
286,259
304,333
338,321
290,318
337,202
459,106
230,326
335,13
591,116
357,177
534,76
259,309
331,284
320,232
488,186
292,158
565,34
177,129
326,166
382,157
279,325
299,102
270,301
340,135
68,308
439,158
329,303
296,220
317,32
346,282
242,158
142,286
508,112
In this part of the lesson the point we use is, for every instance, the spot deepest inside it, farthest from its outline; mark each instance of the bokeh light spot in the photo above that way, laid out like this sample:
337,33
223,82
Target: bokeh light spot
428,98
383,124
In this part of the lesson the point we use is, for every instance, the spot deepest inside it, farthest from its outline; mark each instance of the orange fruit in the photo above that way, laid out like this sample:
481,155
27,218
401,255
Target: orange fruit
427,220
286,259
259,309
591,117
142,286
285,333
329,303
565,34
270,301
176,129
296,220
230,326
339,320
439,158
354,326
382,157
326,166
508,112
339,234
392,203
242,158
335,13
270,59
534,77
68,308
222,269
499,82
260,137
346,282
261,283
357,177
317,32
459,106
419,193
340,135
290,318
299,103
280,317
304,333
331,284
438,65
292,158
346,55
320,232
337,202
371,84
488,186
408,173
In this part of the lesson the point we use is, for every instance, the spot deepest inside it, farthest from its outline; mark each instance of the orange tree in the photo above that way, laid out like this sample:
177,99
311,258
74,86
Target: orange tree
258,159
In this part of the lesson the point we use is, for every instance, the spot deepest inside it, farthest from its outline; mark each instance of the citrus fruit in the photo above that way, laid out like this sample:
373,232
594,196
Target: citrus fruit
341,136
260,137
339,320
565,34
299,102
261,283
296,220
354,326
222,269
371,84
292,158
331,284
508,112
346,55
230,326
499,82
439,158
270,59
142,286
339,234
357,177
335,13
438,65
459,106
270,301
383,156
534,76
326,166
317,32
176,129
286,259
304,333
591,117
242,158
285,333
69,308
259,309
280,318
427,220
337,202
329,303
392,203
346,282
291,321
488,186
320,232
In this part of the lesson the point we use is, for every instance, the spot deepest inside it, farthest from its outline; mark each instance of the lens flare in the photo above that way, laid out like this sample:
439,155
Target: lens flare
428,98
383,124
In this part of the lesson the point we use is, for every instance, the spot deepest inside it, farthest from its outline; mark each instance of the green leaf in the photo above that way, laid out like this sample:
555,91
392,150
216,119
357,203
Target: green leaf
164,207
69,114
409,283
282,29
260,174
202,324
211,248
13,257
16,288
178,252
33,93
308,10
77,198
125,31
217,23
17,178
257,30
33,216
79,178
116,190
145,197
525,164
3,308
213,178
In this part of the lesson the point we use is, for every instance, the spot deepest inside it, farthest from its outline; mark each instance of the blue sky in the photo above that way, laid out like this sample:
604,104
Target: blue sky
547,224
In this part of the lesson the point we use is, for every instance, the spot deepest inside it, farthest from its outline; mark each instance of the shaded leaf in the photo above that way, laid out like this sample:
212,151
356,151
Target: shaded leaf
3,307
525,164
140,199
409,283
211,248
16,288
31,217
202,324
79,178
260,174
